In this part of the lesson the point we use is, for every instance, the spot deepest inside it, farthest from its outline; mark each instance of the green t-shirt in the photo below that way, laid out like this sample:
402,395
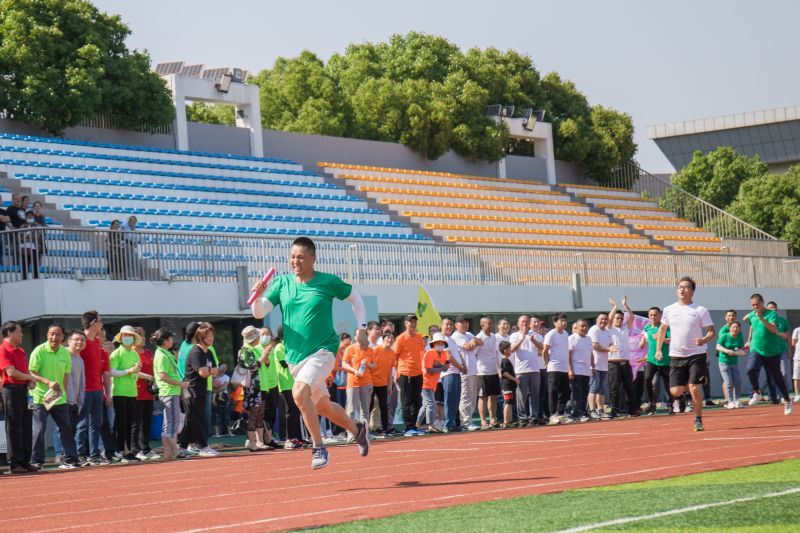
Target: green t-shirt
307,310
285,379
165,362
50,365
210,380
267,374
783,327
122,359
725,329
763,342
651,330
726,341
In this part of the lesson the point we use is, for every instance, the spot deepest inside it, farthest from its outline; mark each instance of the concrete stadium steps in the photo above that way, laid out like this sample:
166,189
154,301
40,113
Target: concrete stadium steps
666,221
448,230
674,231
555,243
675,241
448,177
489,221
388,193
57,144
586,191
428,185
614,210
619,201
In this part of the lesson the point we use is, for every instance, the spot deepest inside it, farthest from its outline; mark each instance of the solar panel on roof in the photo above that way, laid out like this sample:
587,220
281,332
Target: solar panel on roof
173,67
214,73
192,70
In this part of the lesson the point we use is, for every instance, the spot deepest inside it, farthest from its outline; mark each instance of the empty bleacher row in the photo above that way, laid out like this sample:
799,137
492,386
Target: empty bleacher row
485,210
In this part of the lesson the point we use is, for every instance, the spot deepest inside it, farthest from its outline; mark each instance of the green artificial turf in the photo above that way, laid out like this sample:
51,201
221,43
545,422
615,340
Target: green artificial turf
574,508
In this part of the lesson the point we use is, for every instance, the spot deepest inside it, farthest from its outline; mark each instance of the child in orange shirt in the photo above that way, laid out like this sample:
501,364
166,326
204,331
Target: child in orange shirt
359,362
434,363
382,382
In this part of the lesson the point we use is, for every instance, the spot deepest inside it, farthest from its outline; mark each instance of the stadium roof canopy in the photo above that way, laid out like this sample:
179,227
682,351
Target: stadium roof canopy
773,134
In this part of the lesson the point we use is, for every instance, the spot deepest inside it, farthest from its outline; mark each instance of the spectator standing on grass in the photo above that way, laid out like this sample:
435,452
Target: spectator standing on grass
525,358
409,347
382,382
655,369
601,344
249,359
581,368
76,340
729,348
767,342
16,380
467,345
556,356
143,412
170,389
50,365
125,366
620,373
199,367
692,328
487,361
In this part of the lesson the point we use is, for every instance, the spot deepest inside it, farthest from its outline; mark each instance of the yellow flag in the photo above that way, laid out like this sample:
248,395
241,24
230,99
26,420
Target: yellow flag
427,315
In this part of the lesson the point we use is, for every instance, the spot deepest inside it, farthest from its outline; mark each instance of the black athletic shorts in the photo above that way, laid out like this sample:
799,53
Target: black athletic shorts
489,385
692,370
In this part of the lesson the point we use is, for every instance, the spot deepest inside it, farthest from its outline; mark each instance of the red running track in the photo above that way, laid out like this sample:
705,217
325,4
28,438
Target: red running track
278,490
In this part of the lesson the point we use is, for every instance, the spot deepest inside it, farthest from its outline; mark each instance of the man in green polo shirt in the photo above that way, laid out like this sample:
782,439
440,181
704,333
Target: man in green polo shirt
655,367
50,363
767,344
306,301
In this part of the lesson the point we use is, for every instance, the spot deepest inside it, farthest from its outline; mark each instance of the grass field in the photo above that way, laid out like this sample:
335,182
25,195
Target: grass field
589,508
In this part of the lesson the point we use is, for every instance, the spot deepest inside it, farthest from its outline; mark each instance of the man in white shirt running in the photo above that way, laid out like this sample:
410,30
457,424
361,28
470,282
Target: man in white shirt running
691,328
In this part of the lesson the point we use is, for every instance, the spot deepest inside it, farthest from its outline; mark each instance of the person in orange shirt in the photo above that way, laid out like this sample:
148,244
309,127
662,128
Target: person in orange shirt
435,362
409,347
359,362
382,382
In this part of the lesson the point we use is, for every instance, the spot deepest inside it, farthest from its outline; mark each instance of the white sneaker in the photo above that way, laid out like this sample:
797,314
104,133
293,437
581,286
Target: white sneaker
153,456
676,408
738,405
756,398
788,408
208,451
187,451
473,427
554,420
797,398
142,456
730,405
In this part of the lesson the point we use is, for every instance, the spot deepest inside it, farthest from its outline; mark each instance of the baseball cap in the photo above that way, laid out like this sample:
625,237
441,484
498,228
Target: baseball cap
461,318
409,318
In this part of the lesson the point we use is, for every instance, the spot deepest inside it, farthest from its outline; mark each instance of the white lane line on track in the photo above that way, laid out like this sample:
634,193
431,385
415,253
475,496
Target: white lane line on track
682,510
775,437
416,450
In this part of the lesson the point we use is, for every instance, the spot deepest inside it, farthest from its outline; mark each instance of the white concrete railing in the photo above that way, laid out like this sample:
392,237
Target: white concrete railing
160,256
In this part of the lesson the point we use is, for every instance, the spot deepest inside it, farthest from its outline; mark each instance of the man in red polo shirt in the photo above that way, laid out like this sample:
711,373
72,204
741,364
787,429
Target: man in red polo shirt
90,418
15,376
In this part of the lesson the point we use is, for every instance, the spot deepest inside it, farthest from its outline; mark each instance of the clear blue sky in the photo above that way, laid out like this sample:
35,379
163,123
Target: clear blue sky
658,61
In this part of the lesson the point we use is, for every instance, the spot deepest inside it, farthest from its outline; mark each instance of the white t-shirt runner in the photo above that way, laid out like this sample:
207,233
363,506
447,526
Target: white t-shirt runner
603,338
559,350
526,358
686,323
581,348
487,356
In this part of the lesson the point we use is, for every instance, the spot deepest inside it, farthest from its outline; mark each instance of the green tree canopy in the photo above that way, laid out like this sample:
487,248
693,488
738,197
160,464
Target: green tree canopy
62,61
771,202
210,113
716,176
423,91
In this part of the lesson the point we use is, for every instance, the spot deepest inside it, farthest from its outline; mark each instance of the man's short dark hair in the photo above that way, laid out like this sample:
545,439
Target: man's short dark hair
344,336
758,297
503,346
372,324
654,308
559,316
306,243
688,280
731,311
88,317
618,312
9,327
772,303
76,332
59,326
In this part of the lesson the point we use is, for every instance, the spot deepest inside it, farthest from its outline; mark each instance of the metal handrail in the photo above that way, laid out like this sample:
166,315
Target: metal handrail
83,253
708,216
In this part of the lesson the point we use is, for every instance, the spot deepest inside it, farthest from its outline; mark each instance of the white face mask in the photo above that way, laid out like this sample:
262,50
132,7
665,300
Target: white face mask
265,339
127,341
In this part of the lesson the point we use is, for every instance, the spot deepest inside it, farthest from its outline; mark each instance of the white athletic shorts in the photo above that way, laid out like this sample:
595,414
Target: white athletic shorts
796,369
313,371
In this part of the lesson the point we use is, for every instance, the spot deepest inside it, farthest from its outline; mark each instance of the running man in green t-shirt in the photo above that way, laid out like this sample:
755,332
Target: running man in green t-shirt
306,301
767,343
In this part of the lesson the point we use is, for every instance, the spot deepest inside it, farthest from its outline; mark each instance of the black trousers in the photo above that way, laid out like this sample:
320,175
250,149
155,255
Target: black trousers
772,365
270,399
292,416
382,394
620,379
558,388
19,425
124,413
194,428
544,409
107,433
652,374
638,386
142,422
580,395
411,392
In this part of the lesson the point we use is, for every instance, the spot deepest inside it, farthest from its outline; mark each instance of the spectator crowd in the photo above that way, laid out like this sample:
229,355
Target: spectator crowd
100,394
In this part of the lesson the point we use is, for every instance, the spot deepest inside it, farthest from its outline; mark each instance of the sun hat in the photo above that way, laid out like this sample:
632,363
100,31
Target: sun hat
250,333
439,337
137,339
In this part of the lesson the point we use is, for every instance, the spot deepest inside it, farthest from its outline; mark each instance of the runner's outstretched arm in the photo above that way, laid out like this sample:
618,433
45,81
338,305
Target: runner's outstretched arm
261,307
358,308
